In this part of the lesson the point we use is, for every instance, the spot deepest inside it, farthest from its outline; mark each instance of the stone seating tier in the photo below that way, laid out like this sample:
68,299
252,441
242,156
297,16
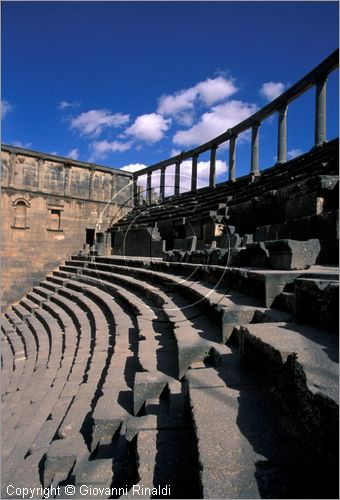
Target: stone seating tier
159,373
304,171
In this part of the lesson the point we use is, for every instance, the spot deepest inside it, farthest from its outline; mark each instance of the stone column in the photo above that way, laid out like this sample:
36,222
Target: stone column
177,177
148,188
162,184
255,148
194,173
232,158
282,135
212,173
320,112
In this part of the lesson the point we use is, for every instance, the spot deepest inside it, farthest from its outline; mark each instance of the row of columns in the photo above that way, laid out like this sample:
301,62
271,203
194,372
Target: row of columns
320,138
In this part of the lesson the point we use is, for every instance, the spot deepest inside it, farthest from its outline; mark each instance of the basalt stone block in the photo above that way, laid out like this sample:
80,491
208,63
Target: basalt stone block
255,255
61,457
246,239
317,302
188,243
148,385
233,317
232,240
214,256
107,417
167,256
292,254
196,257
224,257
94,472
176,256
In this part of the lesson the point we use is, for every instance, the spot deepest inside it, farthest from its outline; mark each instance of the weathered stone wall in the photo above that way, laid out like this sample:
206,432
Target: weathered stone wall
47,204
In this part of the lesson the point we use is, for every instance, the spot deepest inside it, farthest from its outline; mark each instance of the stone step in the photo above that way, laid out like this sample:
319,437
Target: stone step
303,351
191,347
317,302
301,364
222,304
285,301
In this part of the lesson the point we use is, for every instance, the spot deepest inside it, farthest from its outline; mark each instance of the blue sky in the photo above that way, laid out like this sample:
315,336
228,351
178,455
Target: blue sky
131,83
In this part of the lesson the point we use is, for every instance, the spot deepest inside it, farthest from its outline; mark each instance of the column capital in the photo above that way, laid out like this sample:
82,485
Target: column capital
283,109
256,124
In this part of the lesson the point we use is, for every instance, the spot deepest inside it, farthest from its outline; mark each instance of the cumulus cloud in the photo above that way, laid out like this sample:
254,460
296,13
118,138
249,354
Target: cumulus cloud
214,122
100,149
293,153
271,90
67,104
203,168
149,127
213,90
173,104
94,121
74,154
6,107
181,104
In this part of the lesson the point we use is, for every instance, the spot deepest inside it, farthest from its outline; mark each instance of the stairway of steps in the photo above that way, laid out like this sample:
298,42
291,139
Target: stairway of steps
128,377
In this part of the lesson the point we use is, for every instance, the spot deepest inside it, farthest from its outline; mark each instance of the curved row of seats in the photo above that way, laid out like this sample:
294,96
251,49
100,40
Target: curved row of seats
297,172
124,375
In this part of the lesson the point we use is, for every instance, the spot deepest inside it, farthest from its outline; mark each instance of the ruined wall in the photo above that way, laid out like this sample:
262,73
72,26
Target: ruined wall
47,204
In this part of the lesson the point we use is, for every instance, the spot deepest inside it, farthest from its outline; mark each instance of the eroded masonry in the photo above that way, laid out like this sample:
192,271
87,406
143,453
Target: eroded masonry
188,346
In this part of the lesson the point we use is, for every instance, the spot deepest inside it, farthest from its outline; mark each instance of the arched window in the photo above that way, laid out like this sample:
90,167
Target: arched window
20,214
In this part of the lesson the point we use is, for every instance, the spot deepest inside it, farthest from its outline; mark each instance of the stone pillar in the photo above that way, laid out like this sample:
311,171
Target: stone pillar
40,176
320,112
255,148
194,173
177,178
13,159
162,184
282,135
113,185
91,184
135,191
212,173
232,158
148,188
67,175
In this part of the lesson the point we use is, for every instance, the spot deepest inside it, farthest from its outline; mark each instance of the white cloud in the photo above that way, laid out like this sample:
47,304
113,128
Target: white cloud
6,107
134,167
181,104
203,168
74,154
100,149
293,153
182,100
67,104
213,90
214,122
19,144
174,152
94,121
271,90
54,153
149,127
